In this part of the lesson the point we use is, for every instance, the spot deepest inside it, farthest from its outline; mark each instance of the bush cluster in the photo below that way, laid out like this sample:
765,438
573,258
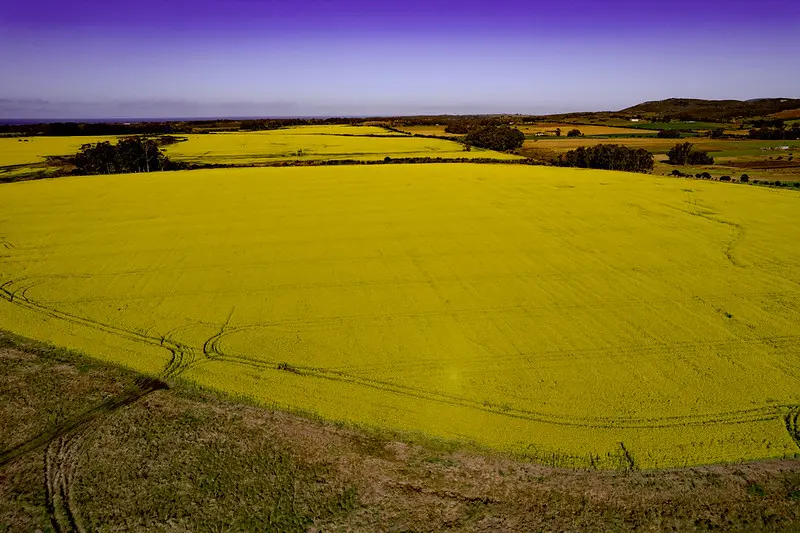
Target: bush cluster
500,138
669,134
685,154
132,154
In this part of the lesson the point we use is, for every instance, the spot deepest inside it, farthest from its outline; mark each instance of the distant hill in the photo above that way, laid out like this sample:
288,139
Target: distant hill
713,110
788,114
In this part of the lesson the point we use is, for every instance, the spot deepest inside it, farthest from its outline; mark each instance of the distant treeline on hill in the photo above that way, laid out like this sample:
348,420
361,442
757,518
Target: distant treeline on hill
713,110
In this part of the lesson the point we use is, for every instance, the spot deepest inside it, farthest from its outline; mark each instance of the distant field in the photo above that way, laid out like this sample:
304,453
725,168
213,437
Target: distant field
732,156
531,129
579,318
21,155
679,125
28,150
788,114
563,144
427,130
584,129
716,147
315,143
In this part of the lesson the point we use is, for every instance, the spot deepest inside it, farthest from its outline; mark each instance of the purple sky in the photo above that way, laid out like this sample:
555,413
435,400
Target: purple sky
92,58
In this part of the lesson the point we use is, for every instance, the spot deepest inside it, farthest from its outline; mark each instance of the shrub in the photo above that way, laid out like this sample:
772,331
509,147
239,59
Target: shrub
724,178
669,134
705,176
574,133
676,172
778,183
744,178
697,157
797,184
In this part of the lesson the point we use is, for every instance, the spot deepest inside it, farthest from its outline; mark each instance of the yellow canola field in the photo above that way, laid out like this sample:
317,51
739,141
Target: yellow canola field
574,317
316,143
29,150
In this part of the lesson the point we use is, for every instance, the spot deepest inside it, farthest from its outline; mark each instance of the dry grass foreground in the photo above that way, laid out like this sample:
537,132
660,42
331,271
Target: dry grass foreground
575,318
182,459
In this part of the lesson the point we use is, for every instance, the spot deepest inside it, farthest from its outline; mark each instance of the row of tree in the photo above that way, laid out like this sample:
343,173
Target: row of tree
608,157
467,125
779,133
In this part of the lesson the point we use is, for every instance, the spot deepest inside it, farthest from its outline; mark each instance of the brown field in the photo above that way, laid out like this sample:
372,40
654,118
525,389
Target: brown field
788,114
427,130
531,129
564,144
548,129
732,156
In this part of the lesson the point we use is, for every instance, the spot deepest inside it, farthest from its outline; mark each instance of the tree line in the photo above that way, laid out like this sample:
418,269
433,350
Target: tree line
776,133
608,157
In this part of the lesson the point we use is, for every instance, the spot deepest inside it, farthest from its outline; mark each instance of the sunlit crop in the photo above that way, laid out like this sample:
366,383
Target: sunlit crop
573,317
315,143
28,150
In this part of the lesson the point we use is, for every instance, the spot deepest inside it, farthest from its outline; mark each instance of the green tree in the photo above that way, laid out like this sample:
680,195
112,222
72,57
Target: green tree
668,134
608,157
685,154
131,154
501,138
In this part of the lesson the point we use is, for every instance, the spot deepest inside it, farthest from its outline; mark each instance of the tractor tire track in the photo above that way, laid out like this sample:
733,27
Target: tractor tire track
63,445
62,458
181,356
737,234
144,386
213,351
792,420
